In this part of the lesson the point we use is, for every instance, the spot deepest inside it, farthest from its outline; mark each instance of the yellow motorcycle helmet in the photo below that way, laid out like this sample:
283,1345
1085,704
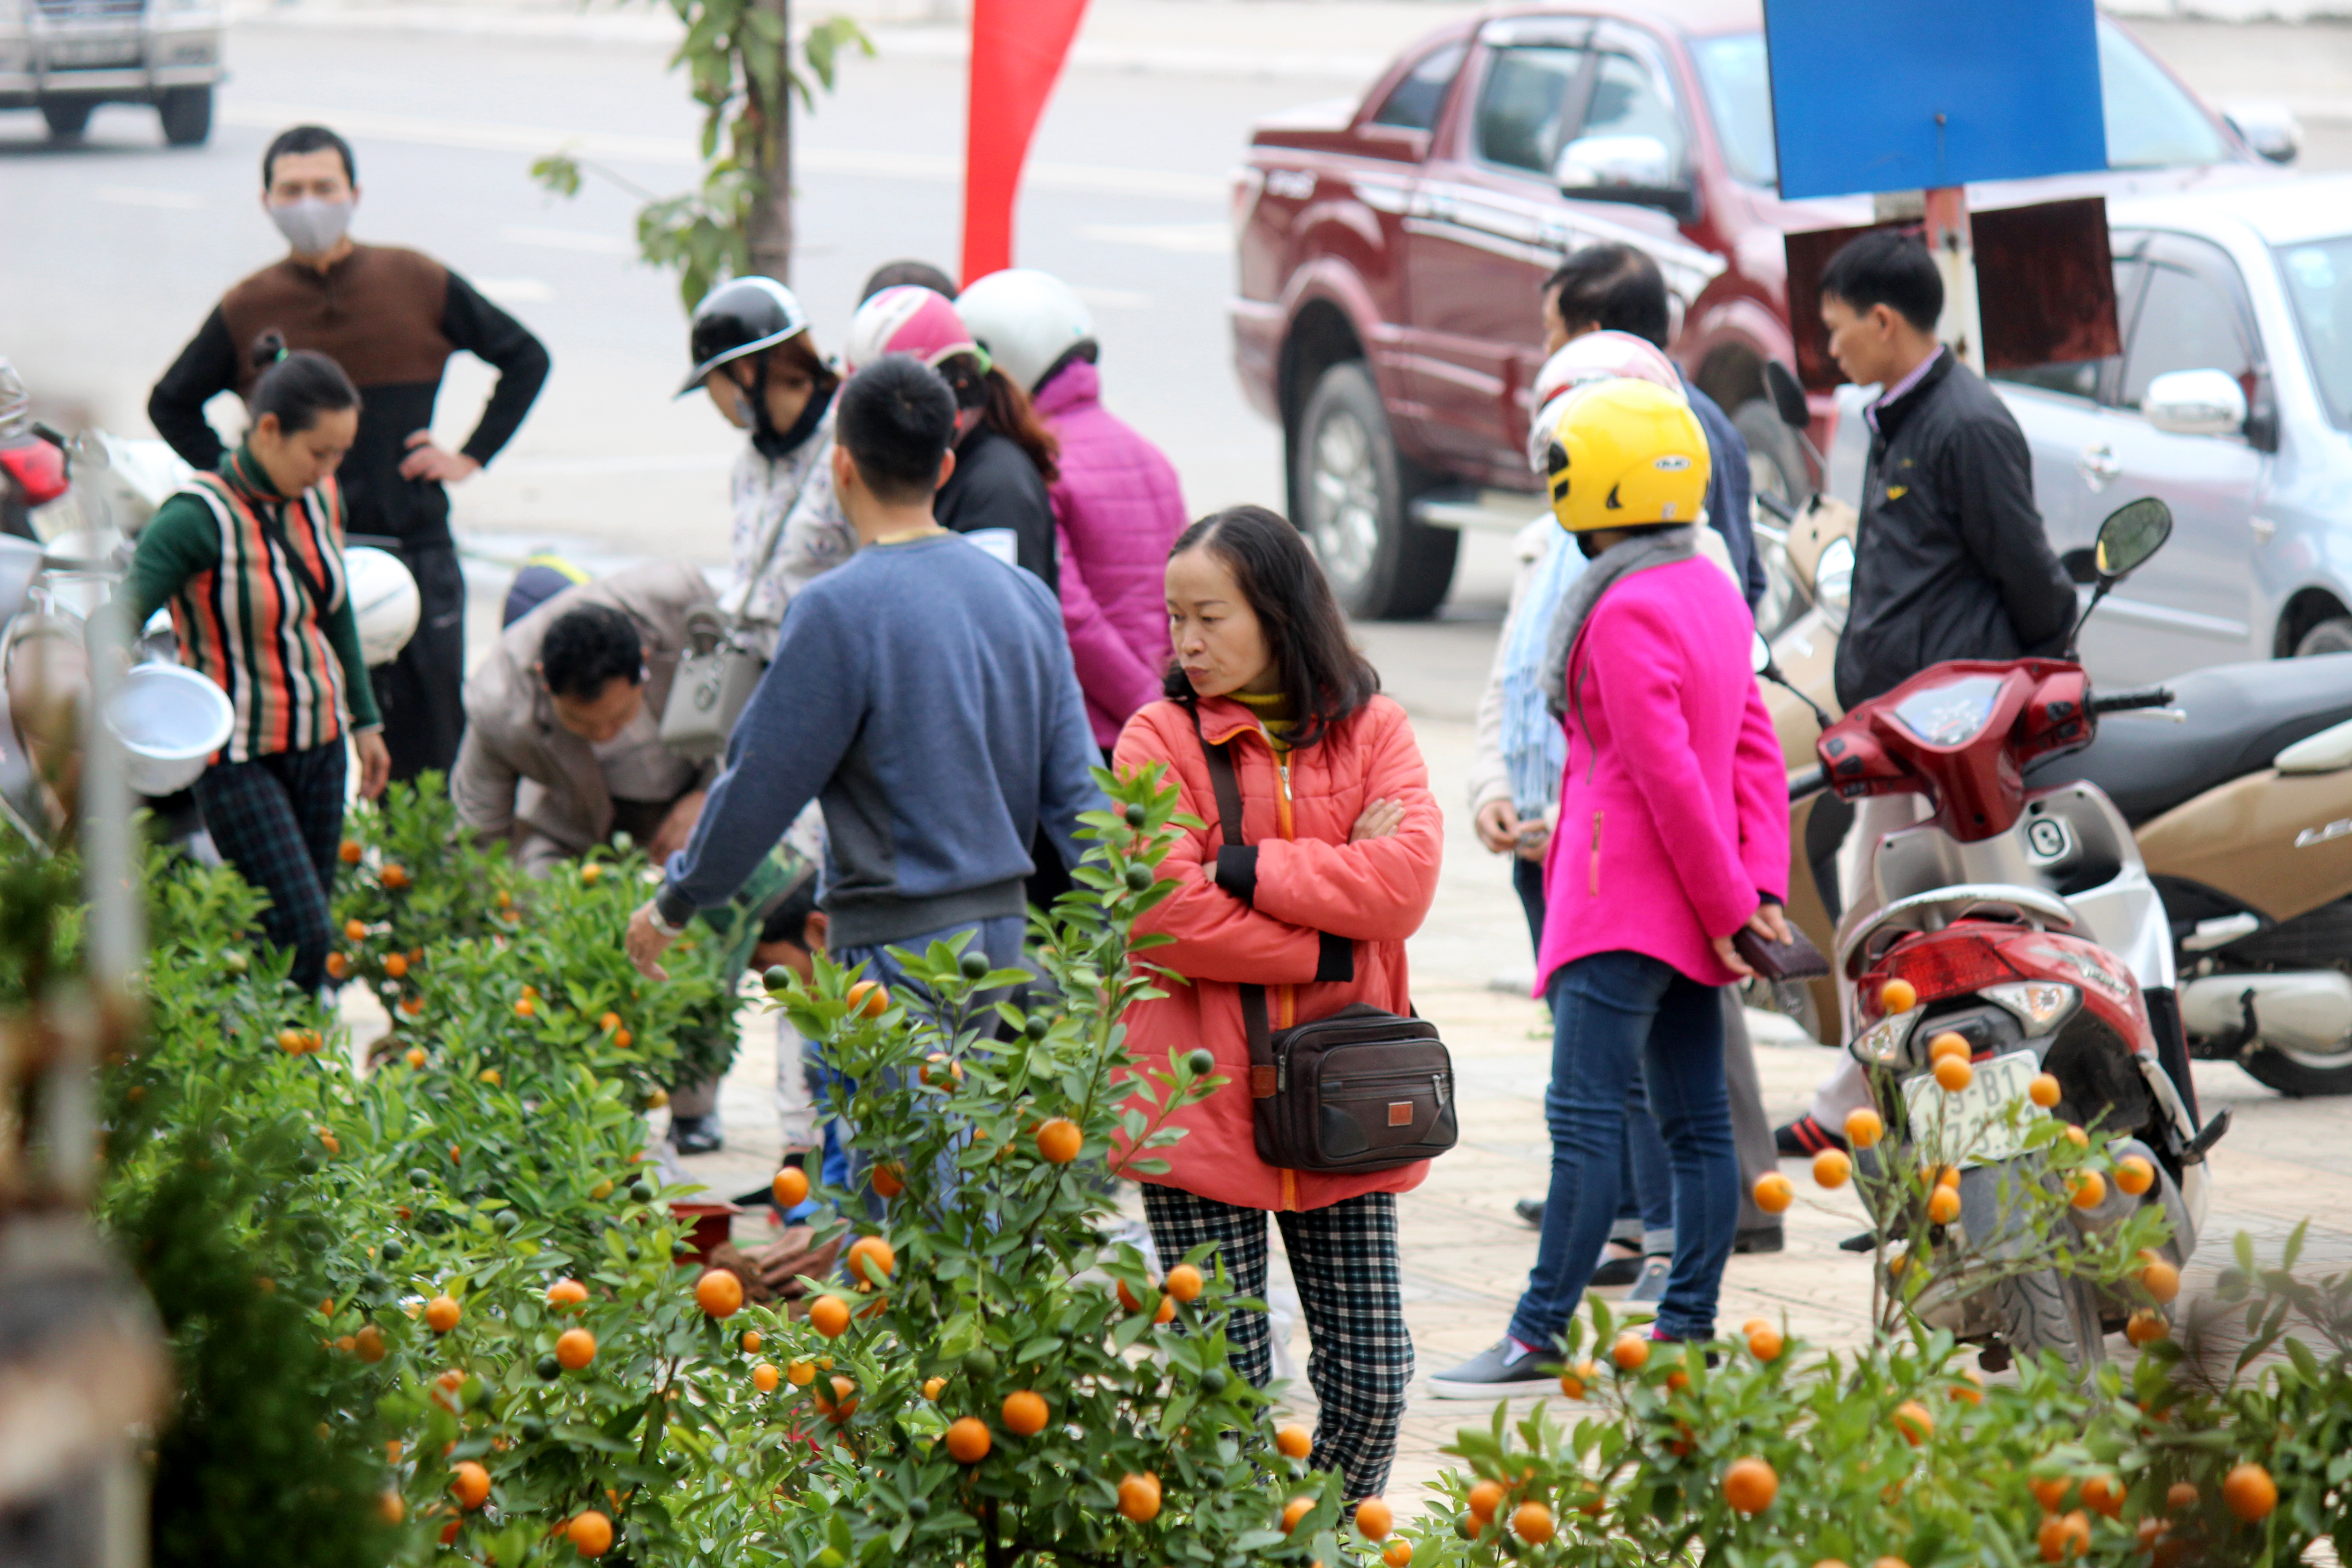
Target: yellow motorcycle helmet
1624,453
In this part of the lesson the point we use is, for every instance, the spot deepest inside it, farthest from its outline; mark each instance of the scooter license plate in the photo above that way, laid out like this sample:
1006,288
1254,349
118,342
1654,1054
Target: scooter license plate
1973,1127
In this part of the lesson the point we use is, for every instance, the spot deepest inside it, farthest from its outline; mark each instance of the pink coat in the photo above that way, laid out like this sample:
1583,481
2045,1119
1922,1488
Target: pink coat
1310,882
1120,508
1674,809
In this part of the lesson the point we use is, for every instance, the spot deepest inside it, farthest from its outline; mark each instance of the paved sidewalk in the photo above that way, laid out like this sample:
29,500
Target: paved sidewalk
1465,1254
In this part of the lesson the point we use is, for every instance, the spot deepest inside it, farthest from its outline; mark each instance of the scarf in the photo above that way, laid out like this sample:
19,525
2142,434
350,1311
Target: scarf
1535,748
1656,547
775,444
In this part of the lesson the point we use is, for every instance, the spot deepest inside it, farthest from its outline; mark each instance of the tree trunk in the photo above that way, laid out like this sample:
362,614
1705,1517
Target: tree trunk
769,226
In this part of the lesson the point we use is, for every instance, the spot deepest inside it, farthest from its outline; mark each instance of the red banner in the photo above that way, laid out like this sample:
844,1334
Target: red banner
1017,50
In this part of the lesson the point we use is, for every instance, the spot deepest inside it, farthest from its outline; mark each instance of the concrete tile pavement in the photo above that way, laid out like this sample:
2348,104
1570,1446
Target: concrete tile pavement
1465,1254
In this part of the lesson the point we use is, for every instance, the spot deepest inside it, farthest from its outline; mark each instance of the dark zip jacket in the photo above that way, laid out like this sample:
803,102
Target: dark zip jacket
1952,560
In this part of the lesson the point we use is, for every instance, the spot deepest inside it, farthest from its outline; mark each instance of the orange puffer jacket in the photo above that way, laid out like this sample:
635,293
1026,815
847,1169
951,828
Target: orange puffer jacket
1319,905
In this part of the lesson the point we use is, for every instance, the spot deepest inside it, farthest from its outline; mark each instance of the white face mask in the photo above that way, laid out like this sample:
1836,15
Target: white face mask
311,226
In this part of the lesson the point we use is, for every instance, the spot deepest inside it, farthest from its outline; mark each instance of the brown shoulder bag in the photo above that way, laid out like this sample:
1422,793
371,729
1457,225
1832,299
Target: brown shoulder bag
1361,1091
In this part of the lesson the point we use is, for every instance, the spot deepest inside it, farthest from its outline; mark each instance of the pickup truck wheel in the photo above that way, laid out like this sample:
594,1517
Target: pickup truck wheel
1353,488
1776,461
67,117
187,116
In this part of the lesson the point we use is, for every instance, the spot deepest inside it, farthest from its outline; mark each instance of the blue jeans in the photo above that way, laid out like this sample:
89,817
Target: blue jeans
1645,1193
1000,939
1620,1018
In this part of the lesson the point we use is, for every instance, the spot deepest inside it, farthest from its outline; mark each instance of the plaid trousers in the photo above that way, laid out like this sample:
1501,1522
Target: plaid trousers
1344,1259
278,819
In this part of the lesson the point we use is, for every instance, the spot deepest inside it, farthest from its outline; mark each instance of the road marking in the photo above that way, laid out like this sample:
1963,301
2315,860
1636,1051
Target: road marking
1113,299
541,141
1192,238
570,239
513,290
143,197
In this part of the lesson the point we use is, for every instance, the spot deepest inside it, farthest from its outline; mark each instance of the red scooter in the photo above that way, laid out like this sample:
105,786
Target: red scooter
2025,923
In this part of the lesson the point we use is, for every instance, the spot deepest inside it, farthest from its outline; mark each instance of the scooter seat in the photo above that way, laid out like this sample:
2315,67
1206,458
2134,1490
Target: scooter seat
2240,717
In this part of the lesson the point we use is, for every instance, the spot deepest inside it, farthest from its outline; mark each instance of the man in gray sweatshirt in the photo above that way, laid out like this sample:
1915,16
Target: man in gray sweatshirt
923,691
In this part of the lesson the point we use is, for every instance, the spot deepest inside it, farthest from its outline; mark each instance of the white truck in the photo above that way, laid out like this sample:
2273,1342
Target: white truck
65,57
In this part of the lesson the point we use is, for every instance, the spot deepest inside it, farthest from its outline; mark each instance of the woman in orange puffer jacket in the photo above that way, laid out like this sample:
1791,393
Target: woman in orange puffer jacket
1340,864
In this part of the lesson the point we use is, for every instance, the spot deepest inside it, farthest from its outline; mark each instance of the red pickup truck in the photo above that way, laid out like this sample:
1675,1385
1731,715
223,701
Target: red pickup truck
1390,249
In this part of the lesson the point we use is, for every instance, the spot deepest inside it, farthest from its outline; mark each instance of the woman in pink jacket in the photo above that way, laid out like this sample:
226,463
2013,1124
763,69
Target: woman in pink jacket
1339,866
1673,836
1115,500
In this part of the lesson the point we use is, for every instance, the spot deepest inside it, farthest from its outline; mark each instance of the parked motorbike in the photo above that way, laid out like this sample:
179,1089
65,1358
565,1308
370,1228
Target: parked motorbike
2239,797
2024,921
171,721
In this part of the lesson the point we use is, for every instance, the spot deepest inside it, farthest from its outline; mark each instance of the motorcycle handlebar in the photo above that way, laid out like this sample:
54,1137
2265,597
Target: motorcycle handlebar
2123,702
1807,783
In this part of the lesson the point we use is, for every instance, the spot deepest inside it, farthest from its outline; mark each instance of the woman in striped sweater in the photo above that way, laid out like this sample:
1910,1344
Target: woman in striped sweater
250,561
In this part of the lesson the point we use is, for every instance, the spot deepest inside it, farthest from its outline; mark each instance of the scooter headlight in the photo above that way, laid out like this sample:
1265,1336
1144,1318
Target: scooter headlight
1883,1042
2038,1004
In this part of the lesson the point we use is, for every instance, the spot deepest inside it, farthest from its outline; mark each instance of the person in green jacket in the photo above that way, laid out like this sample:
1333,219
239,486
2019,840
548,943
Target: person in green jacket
250,560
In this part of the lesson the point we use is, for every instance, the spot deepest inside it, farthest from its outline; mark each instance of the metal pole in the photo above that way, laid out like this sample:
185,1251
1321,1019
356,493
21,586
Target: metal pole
1961,328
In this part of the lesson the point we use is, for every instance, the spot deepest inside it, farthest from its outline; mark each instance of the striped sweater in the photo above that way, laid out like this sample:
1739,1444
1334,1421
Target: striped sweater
258,599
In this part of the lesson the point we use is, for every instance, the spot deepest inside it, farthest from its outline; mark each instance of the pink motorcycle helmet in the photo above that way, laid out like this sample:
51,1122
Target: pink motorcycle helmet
907,321
1585,362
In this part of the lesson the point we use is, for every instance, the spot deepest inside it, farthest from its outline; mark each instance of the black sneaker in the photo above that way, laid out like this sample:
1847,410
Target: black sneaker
1805,1136
1611,1272
1498,1371
696,1134
1761,1239
1531,1211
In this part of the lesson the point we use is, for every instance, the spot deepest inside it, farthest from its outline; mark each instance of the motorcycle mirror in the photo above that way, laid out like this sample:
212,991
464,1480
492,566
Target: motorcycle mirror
1761,659
2132,533
1788,397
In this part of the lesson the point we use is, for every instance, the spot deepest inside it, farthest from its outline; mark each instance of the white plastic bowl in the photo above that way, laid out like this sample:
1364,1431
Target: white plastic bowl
170,721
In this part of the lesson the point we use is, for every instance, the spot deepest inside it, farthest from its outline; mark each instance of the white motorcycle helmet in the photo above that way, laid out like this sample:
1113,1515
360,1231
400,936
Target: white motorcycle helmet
385,598
1584,362
1028,320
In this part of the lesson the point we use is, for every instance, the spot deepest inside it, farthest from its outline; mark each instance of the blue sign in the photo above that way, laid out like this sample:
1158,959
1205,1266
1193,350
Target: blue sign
1898,95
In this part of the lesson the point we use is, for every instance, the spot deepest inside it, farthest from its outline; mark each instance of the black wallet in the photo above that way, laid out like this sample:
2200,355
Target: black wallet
1795,959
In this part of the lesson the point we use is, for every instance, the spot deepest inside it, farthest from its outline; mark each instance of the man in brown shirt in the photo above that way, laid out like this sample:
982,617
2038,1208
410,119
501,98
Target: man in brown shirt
391,317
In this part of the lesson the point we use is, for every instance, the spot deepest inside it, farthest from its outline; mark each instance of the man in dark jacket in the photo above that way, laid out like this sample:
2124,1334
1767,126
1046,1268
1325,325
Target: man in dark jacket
391,317
1951,558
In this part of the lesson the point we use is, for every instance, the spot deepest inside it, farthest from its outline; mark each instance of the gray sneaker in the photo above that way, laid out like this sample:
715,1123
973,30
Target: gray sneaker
1651,1284
1498,1371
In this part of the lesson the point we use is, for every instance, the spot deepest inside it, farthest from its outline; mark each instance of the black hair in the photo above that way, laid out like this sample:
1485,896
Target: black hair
1615,288
896,420
297,387
907,273
788,921
305,139
588,646
1324,675
1886,266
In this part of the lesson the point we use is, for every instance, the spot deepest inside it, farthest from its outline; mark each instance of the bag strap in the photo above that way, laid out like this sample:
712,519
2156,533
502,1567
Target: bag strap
1254,1021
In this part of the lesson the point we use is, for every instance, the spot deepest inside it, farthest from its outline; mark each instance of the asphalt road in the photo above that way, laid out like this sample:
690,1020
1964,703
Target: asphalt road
112,252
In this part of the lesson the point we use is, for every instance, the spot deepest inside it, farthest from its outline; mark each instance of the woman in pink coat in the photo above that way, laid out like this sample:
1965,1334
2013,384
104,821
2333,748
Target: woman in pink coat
1115,500
1339,866
1673,836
